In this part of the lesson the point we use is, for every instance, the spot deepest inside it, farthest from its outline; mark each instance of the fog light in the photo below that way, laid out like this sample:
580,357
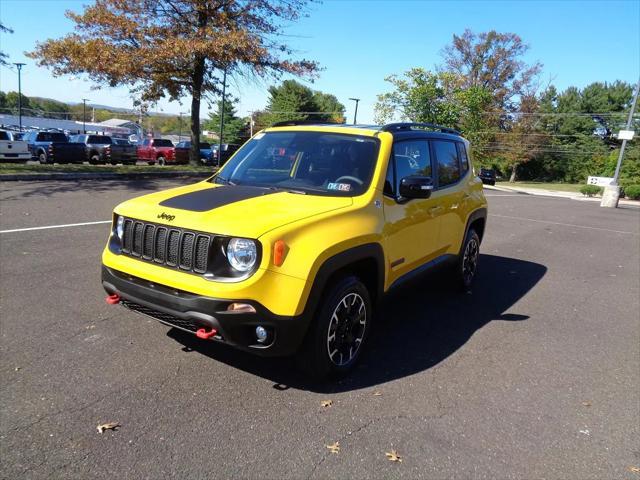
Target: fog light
261,334
241,308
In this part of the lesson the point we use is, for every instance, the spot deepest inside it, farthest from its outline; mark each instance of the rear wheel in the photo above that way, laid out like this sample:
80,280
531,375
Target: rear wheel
468,262
42,157
337,336
161,161
94,159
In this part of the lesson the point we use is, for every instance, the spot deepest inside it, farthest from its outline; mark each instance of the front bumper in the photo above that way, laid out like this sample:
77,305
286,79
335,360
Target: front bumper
189,312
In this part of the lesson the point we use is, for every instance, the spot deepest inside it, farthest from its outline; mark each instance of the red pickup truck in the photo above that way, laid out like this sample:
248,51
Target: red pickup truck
153,150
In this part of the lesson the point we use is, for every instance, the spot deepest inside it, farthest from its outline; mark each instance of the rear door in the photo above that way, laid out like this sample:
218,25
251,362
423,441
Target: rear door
451,194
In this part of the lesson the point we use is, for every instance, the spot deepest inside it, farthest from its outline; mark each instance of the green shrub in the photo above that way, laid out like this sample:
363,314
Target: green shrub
632,192
590,190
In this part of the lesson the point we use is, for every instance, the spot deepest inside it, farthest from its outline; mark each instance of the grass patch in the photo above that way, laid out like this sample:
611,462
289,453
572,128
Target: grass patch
15,168
558,187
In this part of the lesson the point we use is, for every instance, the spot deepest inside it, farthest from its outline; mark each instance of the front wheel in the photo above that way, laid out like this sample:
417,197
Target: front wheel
336,338
468,262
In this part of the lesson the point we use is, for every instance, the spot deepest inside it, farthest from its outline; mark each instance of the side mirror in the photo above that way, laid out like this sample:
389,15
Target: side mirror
416,187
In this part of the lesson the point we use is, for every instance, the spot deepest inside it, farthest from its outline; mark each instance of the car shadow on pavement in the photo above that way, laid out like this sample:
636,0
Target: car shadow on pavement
419,326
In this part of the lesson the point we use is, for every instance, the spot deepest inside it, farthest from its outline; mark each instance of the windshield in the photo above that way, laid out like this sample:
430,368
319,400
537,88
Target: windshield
99,140
52,137
310,162
161,142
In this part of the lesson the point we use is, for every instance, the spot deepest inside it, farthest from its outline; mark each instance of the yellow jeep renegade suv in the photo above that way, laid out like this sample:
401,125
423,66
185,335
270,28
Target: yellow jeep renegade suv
291,244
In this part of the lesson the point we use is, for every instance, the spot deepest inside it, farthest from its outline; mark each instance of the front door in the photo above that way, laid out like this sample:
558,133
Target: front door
411,227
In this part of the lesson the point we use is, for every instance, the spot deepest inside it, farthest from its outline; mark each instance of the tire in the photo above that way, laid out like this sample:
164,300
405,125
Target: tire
94,159
467,264
338,333
161,161
42,158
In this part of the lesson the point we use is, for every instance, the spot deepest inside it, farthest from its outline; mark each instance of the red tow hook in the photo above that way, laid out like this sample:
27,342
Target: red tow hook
203,334
113,299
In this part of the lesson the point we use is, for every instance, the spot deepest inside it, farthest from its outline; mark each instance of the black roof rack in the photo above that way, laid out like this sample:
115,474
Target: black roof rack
293,123
393,127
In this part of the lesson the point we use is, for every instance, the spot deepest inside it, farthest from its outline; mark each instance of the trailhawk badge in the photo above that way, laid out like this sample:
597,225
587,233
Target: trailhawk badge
167,217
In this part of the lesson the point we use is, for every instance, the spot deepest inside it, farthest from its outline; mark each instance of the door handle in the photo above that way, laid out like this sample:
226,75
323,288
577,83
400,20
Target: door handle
466,196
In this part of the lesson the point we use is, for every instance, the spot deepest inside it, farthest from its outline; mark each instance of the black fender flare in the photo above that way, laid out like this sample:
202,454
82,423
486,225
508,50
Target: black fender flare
338,262
480,213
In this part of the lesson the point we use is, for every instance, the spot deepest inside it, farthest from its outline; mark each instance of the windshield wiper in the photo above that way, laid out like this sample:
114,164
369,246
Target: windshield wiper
288,190
224,181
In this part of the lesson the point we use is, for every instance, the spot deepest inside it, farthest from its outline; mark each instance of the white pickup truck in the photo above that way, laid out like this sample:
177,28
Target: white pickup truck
12,150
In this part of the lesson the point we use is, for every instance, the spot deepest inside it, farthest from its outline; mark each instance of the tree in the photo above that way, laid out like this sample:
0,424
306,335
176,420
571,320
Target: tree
492,61
439,98
293,101
4,56
173,48
235,128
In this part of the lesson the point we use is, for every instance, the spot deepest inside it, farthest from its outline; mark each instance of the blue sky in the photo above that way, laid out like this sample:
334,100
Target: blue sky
359,43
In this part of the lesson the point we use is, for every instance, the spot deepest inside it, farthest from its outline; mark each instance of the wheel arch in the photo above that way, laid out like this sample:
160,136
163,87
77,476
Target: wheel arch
477,220
364,261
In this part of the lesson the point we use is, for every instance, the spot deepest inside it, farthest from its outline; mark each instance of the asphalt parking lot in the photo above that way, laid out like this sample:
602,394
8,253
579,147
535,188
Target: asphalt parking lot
536,374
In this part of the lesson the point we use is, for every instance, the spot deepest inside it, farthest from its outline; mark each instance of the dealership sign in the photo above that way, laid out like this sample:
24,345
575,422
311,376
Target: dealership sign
600,181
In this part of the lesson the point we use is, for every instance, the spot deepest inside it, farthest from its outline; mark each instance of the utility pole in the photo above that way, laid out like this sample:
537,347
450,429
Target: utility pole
19,66
251,123
179,127
84,115
224,90
611,194
355,115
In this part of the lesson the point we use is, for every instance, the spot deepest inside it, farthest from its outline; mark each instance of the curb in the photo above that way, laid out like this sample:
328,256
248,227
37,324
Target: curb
552,194
13,177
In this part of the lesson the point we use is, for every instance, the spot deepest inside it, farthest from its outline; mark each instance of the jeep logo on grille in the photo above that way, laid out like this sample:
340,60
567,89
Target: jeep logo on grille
167,217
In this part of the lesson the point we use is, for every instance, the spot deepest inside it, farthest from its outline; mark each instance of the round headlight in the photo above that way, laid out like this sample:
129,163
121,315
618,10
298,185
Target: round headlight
242,254
120,227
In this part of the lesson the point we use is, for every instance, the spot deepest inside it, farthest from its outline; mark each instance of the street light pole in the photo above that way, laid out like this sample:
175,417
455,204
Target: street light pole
84,115
355,115
19,66
224,90
611,194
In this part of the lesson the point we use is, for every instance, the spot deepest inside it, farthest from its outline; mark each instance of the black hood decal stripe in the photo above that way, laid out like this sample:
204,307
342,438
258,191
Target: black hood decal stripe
214,197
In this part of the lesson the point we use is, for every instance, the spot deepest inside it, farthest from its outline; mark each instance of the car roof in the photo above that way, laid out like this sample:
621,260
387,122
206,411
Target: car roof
406,131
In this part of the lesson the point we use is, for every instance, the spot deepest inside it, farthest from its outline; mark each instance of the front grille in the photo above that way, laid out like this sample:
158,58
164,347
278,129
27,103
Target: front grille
173,247
163,317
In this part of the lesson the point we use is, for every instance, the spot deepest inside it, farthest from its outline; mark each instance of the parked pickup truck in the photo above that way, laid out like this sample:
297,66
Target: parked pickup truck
54,147
153,150
102,149
12,150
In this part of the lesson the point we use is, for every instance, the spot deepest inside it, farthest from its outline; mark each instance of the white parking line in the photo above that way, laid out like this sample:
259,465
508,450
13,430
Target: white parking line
54,226
562,224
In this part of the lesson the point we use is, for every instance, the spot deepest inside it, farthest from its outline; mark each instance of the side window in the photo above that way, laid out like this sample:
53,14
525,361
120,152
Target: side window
448,164
411,157
464,159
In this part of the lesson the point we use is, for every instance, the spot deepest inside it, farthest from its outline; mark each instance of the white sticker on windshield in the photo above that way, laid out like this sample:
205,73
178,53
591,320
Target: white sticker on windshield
258,136
343,187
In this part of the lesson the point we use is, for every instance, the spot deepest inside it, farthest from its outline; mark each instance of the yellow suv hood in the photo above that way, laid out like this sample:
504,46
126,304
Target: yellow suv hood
228,210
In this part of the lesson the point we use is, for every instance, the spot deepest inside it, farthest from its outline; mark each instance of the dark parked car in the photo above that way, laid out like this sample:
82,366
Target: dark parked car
183,148
488,176
54,147
228,149
102,149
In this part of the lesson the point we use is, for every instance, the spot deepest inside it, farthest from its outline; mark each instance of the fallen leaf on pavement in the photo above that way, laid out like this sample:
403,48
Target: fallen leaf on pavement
377,394
108,426
634,469
586,404
326,403
393,456
334,448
